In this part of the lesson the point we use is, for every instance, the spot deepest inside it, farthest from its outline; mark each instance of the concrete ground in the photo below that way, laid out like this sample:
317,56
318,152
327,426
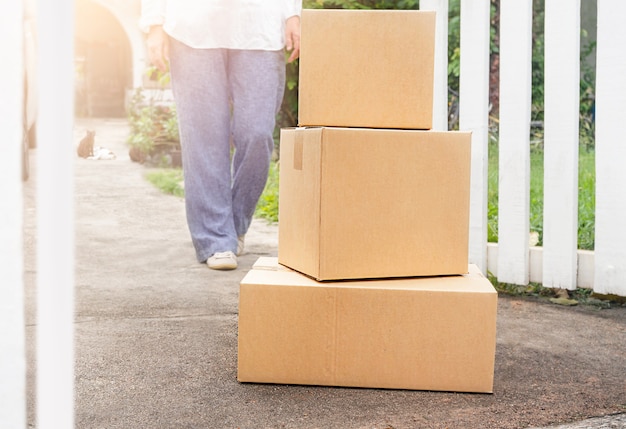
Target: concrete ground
156,333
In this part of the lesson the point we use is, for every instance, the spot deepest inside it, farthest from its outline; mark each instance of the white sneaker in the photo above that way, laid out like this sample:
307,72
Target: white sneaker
240,243
222,261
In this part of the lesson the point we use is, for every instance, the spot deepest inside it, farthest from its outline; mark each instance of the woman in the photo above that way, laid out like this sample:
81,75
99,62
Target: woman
227,64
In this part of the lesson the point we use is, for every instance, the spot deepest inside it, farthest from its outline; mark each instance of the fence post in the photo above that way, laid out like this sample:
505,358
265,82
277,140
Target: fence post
440,93
12,341
474,116
514,143
610,252
562,110
55,216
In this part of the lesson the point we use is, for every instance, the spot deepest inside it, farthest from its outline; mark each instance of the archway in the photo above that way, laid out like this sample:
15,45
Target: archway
103,62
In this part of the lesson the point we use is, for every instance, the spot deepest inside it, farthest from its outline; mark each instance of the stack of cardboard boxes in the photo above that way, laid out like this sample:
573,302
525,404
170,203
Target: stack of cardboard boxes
371,287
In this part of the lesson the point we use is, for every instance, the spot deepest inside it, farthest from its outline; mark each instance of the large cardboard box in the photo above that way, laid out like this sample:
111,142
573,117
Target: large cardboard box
374,203
367,68
430,333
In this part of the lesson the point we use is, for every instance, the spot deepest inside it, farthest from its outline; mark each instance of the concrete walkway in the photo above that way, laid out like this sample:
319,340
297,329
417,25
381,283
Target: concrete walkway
156,333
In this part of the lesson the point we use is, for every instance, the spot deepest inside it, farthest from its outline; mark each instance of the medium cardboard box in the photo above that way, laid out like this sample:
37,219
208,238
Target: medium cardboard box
367,68
429,333
374,203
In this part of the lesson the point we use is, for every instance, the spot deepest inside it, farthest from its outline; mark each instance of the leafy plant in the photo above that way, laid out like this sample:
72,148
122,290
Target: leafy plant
153,125
267,207
288,115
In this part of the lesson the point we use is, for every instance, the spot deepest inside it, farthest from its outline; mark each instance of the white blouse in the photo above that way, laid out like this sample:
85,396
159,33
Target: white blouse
229,24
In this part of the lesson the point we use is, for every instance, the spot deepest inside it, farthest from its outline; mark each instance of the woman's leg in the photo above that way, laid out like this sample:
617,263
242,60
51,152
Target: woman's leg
200,85
257,80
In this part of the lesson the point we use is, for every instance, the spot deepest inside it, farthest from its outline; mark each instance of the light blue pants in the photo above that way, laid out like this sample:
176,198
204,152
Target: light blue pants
224,96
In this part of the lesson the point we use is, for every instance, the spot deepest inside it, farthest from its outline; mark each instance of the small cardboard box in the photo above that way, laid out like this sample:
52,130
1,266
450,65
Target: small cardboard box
367,68
429,333
374,203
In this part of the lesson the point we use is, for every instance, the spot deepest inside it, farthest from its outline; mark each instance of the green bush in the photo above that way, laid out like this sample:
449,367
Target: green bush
151,122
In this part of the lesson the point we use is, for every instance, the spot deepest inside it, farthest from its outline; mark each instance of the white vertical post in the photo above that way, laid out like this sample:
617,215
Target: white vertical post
514,146
440,92
561,98
12,344
610,248
55,217
474,116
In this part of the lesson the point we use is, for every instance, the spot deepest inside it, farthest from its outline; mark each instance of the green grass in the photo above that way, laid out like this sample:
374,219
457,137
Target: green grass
267,207
168,180
586,196
586,200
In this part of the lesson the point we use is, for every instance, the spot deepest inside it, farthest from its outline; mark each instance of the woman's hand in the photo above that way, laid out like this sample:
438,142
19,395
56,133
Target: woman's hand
292,37
158,45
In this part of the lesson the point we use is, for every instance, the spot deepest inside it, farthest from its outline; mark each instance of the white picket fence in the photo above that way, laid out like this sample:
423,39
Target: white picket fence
558,264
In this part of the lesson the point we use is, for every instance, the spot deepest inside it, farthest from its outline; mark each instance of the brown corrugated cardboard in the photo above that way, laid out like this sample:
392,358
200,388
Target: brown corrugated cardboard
373,203
429,333
367,68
